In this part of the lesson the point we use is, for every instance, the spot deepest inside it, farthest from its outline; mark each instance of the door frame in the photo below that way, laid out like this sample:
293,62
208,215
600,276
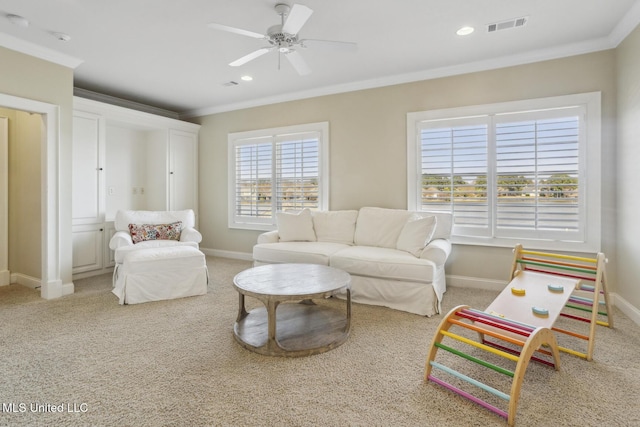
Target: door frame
51,283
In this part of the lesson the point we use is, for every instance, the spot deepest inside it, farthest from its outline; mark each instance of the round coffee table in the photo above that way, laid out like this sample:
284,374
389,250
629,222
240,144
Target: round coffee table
283,327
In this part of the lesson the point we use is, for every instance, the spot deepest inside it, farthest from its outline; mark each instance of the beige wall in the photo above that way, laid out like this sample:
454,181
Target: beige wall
27,77
628,63
368,144
25,135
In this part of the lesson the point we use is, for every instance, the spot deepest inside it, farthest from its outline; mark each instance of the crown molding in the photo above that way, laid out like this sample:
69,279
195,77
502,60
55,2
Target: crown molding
124,103
626,25
32,49
470,67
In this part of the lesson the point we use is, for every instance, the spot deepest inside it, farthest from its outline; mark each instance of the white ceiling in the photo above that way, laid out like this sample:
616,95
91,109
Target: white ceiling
161,52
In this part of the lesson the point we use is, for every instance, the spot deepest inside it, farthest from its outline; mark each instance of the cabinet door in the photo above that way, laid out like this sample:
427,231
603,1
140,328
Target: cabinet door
87,168
183,170
87,248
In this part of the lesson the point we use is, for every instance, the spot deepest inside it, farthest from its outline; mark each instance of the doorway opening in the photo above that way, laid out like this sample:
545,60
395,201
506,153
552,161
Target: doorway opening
49,233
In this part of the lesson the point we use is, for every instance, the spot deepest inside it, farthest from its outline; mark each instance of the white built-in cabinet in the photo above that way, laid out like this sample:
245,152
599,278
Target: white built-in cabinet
125,159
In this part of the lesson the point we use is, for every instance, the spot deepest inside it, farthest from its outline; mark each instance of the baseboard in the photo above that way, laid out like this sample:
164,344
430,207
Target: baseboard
475,283
227,254
24,280
625,307
53,289
5,277
68,288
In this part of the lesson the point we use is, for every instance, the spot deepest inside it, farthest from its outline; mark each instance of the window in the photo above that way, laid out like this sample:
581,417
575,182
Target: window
511,173
273,170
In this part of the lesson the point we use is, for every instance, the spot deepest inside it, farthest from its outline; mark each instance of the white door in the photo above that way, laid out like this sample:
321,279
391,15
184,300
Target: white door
183,171
87,169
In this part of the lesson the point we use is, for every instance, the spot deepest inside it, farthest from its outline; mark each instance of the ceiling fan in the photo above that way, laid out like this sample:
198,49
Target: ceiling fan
283,38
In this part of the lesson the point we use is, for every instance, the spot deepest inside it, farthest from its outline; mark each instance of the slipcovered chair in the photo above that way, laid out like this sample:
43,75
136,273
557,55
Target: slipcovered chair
157,256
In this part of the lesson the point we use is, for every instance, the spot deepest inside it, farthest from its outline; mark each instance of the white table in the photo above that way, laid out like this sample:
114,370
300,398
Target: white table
290,323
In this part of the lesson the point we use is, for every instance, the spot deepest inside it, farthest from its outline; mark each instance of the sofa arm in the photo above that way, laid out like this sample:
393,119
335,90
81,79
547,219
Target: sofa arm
120,239
269,237
437,250
190,234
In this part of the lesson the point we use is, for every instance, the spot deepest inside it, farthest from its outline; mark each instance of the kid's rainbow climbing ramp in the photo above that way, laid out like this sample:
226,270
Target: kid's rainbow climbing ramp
518,326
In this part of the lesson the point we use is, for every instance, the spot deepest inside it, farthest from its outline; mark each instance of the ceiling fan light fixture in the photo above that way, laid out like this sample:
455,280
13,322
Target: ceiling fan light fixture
18,20
283,38
465,31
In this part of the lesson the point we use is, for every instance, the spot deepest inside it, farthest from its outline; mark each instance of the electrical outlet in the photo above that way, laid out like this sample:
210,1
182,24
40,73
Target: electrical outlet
112,191
135,191
142,191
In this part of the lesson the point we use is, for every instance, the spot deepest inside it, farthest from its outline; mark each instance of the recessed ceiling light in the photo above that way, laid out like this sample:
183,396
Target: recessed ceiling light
465,31
247,78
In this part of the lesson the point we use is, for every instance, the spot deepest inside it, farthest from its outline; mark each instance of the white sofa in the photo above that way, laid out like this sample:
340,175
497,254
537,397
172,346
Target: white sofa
157,256
396,257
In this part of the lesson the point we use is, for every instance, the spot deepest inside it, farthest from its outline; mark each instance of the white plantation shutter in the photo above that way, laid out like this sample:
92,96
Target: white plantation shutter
537,174
253,169
513,172
297,171
454,165
275,170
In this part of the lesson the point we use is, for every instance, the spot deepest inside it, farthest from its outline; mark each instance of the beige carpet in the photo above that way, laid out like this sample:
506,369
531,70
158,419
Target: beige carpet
176,363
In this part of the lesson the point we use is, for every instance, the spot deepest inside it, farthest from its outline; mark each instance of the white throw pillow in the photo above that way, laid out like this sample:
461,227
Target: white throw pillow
335,226
380,227
416,234
296,227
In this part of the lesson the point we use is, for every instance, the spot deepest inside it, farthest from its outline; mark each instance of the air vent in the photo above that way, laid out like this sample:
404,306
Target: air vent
230,83
505,25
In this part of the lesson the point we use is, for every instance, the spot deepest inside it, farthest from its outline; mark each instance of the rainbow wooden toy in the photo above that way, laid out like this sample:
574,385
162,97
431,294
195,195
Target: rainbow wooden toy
520,341
520,321
590,295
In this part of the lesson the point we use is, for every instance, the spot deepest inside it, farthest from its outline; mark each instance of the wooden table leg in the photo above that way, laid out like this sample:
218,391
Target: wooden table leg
272,343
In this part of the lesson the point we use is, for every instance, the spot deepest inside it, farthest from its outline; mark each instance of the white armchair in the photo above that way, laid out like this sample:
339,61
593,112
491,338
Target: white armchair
156,258
122,241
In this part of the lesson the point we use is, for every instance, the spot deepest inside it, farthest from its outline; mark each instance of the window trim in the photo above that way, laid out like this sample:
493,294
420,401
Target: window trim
592,148
235,138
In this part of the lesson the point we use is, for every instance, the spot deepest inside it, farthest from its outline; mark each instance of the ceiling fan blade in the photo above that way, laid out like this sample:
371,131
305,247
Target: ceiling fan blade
253,55
236,31
296,19
330,44
298,62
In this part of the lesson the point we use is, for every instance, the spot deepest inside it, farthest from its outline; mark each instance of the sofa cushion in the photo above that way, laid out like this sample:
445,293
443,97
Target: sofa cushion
379,226
296,252
415,234
383,263
335,226
295,226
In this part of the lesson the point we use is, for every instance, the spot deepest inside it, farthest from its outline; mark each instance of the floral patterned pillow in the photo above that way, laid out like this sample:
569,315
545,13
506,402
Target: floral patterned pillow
141,232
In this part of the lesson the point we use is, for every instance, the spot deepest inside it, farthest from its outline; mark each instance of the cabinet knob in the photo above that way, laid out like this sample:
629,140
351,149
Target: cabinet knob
102,229
99,169
170,173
